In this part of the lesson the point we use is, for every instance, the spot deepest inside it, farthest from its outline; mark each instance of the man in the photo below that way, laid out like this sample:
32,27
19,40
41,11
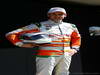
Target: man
56,54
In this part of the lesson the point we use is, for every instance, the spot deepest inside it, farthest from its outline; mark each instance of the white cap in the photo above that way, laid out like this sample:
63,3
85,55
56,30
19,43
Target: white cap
57,9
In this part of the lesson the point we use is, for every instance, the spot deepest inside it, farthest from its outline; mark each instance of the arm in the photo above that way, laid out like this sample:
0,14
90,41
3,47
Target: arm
75,40
13,36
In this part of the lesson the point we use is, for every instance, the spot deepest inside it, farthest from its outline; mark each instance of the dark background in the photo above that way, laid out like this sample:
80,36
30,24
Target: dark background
18,13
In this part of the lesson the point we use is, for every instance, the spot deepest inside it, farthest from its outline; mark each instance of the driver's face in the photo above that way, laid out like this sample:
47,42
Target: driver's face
57,16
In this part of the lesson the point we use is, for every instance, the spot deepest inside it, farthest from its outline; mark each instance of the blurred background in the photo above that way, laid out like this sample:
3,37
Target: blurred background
18,13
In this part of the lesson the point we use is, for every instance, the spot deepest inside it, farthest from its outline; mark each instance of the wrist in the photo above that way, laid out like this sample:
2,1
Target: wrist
19,44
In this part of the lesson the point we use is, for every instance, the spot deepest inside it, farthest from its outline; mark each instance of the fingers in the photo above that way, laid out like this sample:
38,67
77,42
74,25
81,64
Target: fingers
28,45
72,52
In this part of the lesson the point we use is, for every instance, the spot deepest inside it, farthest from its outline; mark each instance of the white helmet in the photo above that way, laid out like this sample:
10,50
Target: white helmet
94,30
57,9
38,38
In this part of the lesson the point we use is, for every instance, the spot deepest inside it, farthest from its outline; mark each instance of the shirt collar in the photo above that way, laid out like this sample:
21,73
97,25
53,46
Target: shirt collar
55,22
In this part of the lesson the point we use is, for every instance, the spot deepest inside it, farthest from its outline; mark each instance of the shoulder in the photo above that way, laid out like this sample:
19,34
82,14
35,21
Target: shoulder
69,24
30,26
44,22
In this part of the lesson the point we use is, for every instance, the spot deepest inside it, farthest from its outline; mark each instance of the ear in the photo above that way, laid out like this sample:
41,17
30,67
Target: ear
48,15
65,15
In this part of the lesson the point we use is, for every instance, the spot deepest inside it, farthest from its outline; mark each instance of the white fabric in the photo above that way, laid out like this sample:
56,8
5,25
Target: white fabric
61,65
44,38
52,29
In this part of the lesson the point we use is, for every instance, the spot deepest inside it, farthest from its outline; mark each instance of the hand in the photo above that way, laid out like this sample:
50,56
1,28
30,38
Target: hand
29,45
71,52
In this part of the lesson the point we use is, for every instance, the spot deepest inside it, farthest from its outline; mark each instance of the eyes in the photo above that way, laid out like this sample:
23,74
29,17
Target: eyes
57,14
60,14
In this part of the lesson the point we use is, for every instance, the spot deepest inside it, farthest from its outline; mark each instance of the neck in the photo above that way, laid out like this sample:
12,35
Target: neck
57,21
